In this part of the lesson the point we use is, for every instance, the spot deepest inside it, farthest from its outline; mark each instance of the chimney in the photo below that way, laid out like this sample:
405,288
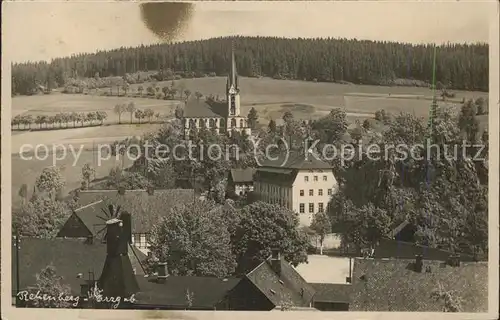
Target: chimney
276,261
419,264
162,272
121,190
454,260
150,190
90,239
126,218
114,237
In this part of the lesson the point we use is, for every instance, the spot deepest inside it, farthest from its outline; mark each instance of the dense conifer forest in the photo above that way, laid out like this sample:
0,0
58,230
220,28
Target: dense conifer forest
459,66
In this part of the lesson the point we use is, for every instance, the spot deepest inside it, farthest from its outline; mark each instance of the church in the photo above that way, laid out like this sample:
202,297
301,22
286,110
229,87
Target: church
222,116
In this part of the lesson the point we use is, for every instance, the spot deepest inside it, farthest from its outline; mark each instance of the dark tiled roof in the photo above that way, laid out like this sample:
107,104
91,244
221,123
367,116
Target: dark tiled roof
289,290
206,291
389,285
68,256
389,248
296,160
144,208
332,292
283,179
242,175
202,109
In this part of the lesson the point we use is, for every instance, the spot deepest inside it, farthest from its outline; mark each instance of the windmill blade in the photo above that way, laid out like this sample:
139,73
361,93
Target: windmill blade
106,213
118,210
102,218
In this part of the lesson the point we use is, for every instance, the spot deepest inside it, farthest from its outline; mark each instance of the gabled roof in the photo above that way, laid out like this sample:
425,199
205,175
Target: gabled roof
242,175
287,288
332,292
144,208
391,285
206,291
201,108
297,160
68,256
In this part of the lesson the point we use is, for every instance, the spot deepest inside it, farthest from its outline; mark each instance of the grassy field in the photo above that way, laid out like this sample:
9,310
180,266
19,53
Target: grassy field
271,98
57,102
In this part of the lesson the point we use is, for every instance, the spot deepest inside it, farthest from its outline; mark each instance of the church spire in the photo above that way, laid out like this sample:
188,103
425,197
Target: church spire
233,76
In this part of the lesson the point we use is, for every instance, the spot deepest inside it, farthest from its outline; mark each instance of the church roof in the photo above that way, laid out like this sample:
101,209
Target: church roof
203,109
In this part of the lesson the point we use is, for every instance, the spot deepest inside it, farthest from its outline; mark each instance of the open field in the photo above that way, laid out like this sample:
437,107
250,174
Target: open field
57,102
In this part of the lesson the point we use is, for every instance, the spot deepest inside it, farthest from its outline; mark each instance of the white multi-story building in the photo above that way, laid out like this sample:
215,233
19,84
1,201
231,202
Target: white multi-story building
303,184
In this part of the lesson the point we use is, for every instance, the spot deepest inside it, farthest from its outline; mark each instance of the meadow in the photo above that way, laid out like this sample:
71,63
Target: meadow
271,98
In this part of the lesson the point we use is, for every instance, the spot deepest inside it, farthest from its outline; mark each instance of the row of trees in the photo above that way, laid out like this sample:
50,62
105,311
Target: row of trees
459,66
62,120
139,114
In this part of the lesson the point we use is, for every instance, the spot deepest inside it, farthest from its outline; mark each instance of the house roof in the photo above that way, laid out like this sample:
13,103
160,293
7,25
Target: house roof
285,288
206,291
68,256
283,179
390,285
390,248
145,209
242,175
332,292
195,108
296,160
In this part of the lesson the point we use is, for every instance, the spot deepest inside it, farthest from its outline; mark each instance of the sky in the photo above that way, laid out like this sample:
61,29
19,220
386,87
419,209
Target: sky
41,31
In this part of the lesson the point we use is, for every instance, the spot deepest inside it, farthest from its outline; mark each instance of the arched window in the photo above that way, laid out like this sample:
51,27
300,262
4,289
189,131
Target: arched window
212,123
242,123
222,126
192,123
233,123
203,123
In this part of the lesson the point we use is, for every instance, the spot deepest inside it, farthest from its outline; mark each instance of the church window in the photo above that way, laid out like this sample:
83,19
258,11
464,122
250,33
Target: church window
242,124
233,104
233,123
212,123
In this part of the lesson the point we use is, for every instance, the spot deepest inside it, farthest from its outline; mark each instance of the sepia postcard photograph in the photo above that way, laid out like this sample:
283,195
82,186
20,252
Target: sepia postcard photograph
327,158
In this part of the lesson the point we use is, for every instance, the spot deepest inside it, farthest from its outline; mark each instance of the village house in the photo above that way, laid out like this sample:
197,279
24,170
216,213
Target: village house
302,184
240,181
117,269
145,206
420,285
222,116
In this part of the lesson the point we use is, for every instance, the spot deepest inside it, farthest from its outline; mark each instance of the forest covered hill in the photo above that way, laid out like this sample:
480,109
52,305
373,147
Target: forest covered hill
459,66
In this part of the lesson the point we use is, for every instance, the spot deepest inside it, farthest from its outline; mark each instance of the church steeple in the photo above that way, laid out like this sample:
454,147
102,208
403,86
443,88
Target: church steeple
232,80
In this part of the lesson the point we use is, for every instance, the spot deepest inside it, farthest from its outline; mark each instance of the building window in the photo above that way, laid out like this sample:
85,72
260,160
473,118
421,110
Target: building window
320,192
301,193
137,239
306,178
329,192
315,178
320,207
311,207
311,192
302,208
325,178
